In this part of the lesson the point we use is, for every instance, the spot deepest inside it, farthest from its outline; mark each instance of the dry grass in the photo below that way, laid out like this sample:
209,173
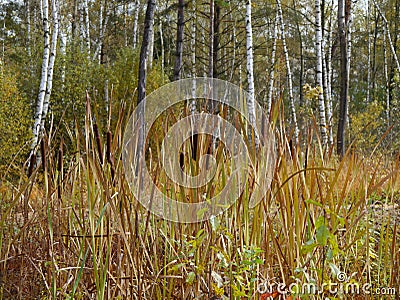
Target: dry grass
73,231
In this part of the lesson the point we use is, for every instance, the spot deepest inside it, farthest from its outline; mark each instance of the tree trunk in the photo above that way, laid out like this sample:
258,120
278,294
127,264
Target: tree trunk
43,79
63,52
387,83
211,41
135,23
328,83
144,50
250,73
160,29
344,84
87,27
369,53
151,42
392,82
99,53
28,38
272,69
193,57
216,21
320,84
179,40
52,59
289,75
392,48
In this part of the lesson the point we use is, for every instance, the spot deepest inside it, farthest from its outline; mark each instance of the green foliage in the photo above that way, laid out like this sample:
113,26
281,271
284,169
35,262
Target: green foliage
366,126
14,122
68,101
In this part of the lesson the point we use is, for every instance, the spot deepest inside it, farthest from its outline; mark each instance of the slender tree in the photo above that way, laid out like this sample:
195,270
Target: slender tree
87,26
250,73
43,79
387,82
53,52
289,73
328,83
211,42
369,52
151,4
179,40
272,68
320,84
135,23
344,79
193,56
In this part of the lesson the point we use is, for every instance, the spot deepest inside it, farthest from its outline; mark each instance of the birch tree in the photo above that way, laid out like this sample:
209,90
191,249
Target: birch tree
151,4
193,57
87,26
103,21
369,53
387,82
151,41
289,74
43,79
250,73
328,80
272,69
320,84
53,52
211,42
389,37
135,23
179,40
344,79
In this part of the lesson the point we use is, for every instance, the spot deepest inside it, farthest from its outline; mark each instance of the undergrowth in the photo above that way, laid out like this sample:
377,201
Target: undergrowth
72,229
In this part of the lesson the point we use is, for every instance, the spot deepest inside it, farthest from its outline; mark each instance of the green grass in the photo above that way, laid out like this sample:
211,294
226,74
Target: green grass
73,230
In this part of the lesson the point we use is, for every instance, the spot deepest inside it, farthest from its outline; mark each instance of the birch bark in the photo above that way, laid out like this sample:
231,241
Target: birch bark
179,40
135,23
250,73
320,84
43,80
50,71
344,79
289,74
272,69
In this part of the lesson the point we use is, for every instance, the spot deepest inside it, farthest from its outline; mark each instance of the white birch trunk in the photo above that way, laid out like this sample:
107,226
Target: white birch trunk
328,81
211,42
63,52
389,36
318,50
102,28
369,54
250,72
193,57
151,43
50,71
28,36
272,70
289,74
234,42
387,81
349,47
162,47
43,80
82,31
135,23
87,27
